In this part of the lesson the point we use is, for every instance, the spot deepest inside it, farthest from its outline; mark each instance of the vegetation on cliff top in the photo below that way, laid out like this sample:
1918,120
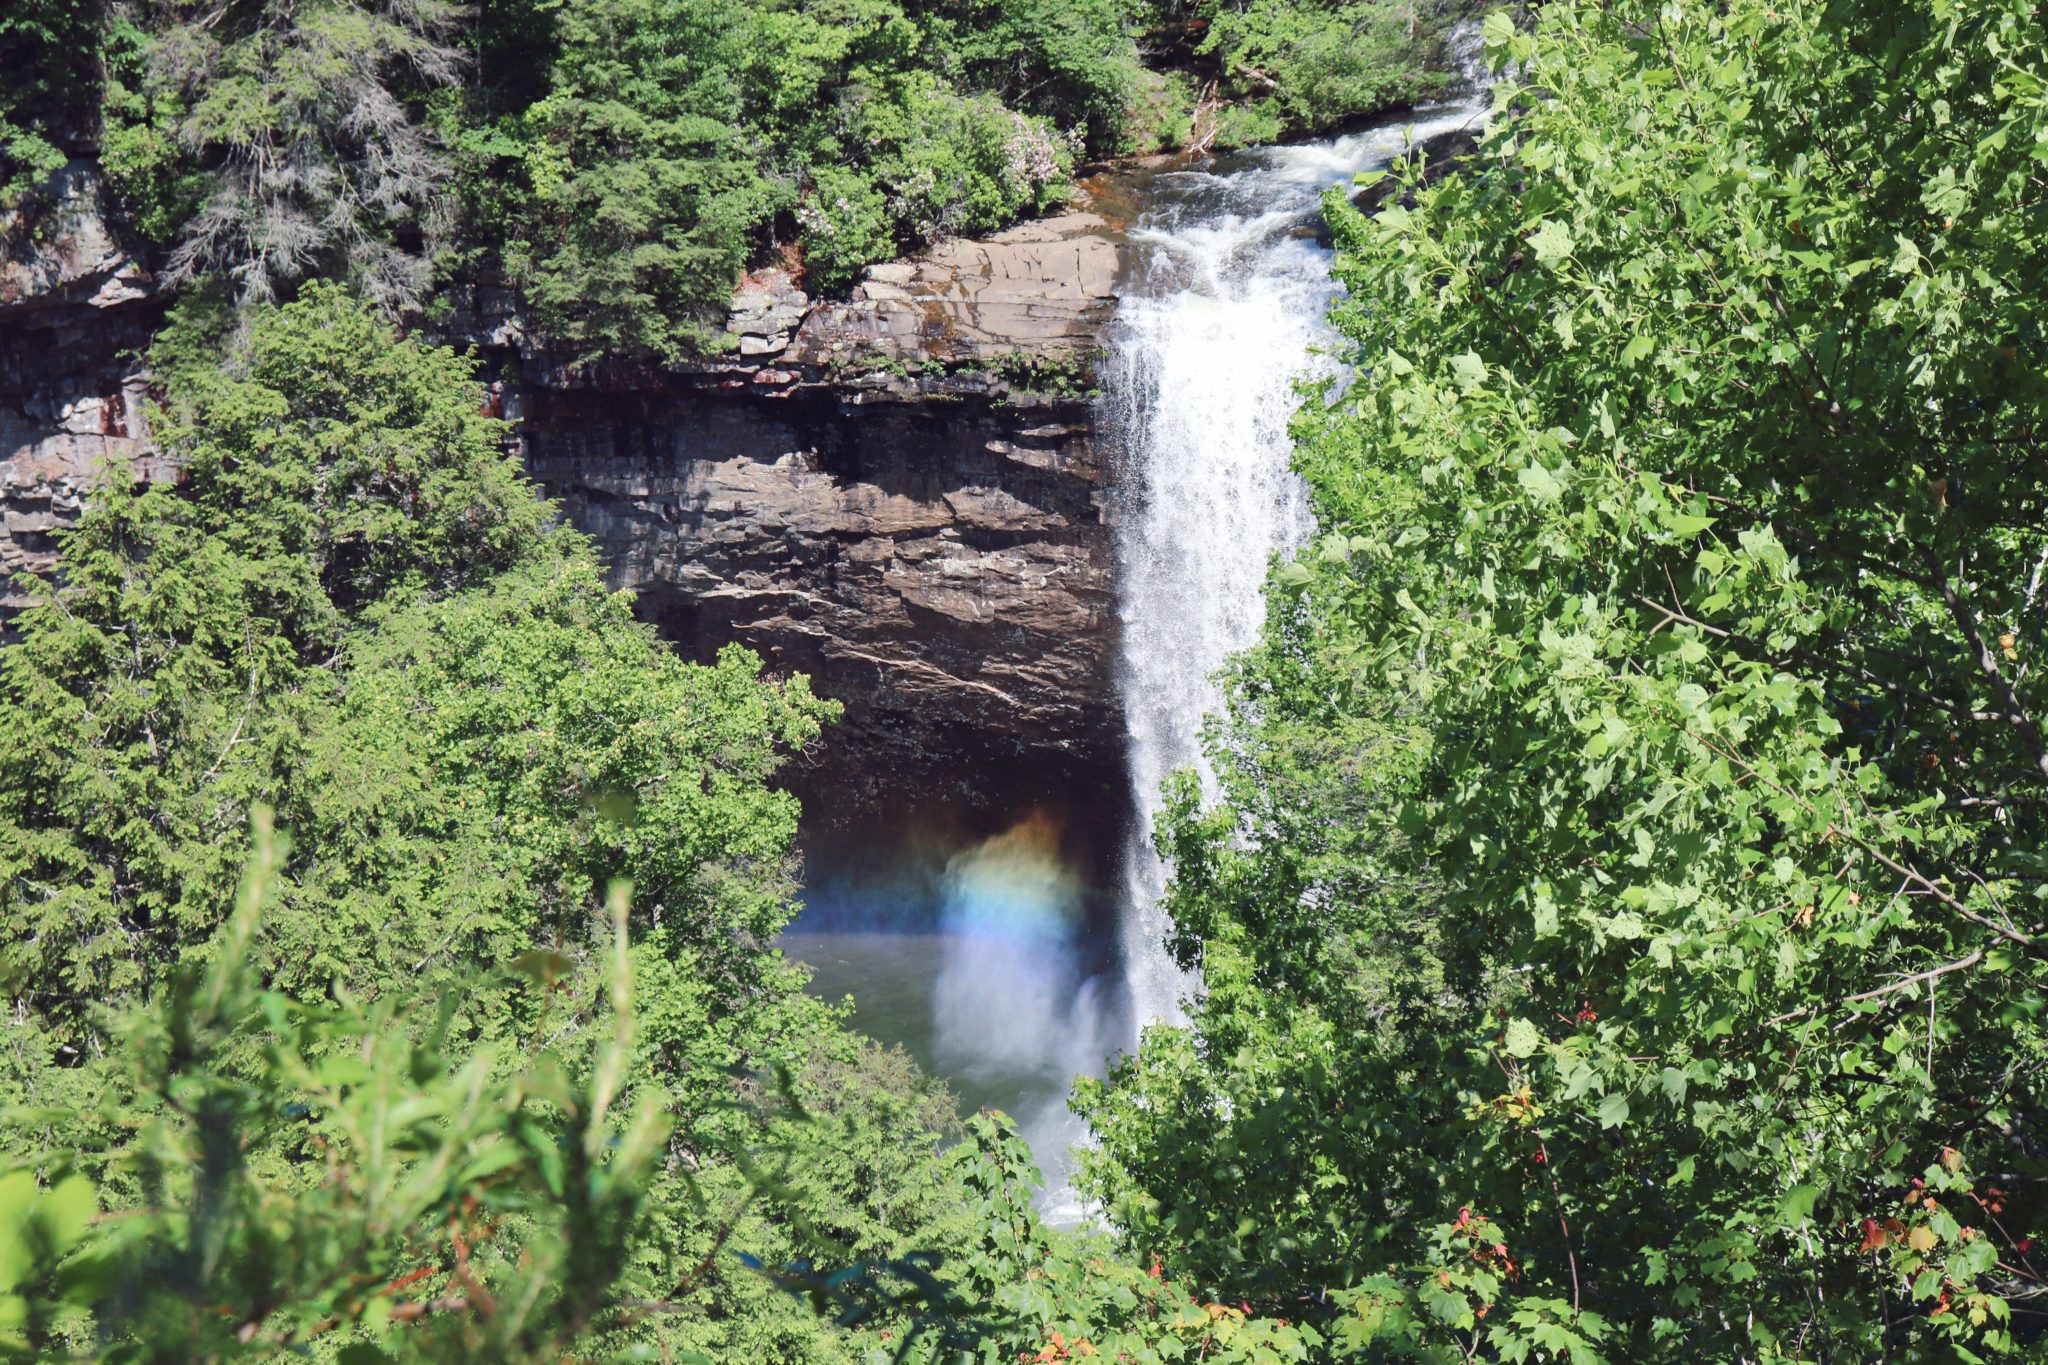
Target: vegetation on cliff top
621,161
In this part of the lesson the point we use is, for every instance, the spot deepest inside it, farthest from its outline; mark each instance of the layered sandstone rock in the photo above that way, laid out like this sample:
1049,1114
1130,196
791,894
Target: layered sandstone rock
1040,291
868,490
942,567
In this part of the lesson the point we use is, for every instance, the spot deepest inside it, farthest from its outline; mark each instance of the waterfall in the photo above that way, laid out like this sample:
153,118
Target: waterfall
993,966
1221,320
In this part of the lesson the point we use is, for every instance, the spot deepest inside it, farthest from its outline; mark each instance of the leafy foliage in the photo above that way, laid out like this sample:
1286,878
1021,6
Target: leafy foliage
333,1180
47,47
1070,61
643,199
175,677
350,1182
1630,840
1292,66
1023,1291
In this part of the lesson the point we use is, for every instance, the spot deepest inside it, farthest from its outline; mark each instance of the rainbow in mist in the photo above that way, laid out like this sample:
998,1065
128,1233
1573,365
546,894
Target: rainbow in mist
1013,998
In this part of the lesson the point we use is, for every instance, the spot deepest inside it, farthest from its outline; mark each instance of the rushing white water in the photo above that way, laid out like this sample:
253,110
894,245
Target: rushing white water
1220,323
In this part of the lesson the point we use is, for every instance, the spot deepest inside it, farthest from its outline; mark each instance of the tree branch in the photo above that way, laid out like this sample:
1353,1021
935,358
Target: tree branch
1911,874
1960,964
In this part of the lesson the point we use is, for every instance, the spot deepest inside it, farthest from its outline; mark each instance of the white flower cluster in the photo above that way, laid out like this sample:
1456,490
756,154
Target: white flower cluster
816,222
1032,156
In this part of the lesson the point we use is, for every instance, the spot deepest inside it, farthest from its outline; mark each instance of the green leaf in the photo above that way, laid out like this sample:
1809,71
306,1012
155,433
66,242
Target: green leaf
68,1211
1551,241
1797,1205
543,966
1539,483
18,1197
1674,1083
1613,1110
498,1156
1522,1038
1469,370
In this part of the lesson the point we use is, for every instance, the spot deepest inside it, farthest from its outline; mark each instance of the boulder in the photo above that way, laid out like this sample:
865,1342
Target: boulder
1040,291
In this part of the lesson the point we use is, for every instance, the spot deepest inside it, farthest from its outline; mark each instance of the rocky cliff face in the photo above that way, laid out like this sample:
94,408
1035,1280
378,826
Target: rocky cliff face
880,492
74,311
939,566
898,493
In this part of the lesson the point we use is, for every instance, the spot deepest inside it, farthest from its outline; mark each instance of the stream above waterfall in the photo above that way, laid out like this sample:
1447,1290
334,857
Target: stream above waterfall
1013,941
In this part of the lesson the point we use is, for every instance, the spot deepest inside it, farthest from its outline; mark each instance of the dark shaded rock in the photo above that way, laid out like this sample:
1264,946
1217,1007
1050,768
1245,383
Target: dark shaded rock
942,569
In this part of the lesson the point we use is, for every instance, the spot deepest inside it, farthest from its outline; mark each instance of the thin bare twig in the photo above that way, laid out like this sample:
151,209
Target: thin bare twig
1960,964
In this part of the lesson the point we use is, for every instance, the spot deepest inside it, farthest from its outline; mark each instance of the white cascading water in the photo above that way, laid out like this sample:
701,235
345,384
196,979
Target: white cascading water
1222,319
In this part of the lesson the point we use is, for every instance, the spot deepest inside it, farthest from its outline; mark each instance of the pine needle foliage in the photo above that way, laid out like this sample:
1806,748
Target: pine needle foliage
307,116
